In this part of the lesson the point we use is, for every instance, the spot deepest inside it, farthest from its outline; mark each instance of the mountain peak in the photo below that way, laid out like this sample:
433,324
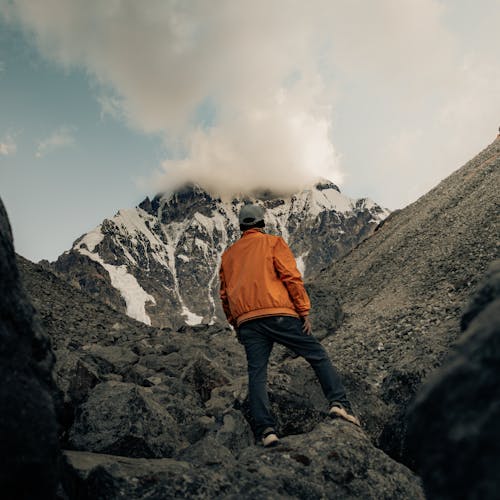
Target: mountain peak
162,257
323,184
191,190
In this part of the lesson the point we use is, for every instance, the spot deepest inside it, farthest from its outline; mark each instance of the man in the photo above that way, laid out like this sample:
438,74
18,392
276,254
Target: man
264,299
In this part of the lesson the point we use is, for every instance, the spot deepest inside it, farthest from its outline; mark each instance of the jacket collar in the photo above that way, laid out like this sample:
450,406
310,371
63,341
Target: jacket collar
252,231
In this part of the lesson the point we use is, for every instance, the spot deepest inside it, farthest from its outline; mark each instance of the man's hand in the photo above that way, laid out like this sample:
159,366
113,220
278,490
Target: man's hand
306,325
237,332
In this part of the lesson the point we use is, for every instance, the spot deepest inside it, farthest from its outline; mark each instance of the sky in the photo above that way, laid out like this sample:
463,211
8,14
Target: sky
105,103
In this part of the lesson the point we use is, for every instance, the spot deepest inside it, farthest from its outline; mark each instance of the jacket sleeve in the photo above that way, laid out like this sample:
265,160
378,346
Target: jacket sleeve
286,267
224,299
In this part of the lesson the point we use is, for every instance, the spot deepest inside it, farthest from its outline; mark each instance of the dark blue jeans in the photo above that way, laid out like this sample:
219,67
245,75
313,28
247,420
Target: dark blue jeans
258,337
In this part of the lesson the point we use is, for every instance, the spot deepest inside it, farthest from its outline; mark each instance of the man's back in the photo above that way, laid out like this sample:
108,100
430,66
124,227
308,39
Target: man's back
259,277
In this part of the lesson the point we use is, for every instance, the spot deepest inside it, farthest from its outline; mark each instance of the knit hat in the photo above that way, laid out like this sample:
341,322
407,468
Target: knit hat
251,214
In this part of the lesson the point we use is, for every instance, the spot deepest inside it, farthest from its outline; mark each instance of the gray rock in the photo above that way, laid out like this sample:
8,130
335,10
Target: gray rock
199,427
29,450
111,358
235,433
106,477
453,435
125,419
75,377
335,460
204,375
208,451
488,291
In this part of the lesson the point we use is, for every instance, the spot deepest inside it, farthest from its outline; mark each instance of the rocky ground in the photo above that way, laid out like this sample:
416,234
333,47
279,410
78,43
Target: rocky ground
161,414
156,413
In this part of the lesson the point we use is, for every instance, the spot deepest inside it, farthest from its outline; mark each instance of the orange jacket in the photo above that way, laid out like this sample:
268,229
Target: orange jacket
259,277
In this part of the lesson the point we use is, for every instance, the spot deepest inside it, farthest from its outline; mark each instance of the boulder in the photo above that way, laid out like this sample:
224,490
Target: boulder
204,375
112,358
125,419
29,450
453,431
99,476
335,460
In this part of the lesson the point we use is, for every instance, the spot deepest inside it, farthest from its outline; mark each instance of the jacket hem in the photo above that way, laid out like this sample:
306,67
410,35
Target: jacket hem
268,311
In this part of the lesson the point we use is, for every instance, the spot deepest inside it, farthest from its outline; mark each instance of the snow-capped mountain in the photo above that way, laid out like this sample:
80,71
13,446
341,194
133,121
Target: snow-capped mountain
159,262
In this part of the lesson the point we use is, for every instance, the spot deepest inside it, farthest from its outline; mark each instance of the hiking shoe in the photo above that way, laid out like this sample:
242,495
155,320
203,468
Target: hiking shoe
269,438
337,411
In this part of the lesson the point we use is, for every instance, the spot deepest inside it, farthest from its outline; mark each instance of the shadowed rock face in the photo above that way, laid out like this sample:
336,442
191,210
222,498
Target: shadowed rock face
454,431
28,429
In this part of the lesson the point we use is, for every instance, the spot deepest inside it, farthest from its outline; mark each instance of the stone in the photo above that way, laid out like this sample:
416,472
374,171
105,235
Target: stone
235,433
92,475
29,449
453,432
125,419
335,460
206,452
112,358
204,375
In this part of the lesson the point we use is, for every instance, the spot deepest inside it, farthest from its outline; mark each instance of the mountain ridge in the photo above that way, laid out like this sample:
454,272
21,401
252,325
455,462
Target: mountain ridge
158,262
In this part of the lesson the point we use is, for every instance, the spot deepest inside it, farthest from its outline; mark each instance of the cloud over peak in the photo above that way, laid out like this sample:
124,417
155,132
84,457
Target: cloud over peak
247,94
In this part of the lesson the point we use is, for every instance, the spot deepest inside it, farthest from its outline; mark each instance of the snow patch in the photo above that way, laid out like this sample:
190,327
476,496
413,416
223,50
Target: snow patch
134,295
202,245
203,220
92,239
301,265
329,199
191,318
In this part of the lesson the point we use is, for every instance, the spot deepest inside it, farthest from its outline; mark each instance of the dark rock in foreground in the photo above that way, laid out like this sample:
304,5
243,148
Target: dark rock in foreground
335,460
28,429
454,431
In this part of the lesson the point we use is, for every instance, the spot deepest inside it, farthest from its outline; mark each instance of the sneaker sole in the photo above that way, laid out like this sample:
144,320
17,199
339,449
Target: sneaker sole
339,413
270,441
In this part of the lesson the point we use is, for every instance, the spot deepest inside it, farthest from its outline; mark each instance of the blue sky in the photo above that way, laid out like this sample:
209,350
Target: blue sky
103,104
73,185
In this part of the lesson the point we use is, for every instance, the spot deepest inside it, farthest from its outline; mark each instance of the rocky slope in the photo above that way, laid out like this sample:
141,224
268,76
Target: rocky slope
159,262
404,288
155,413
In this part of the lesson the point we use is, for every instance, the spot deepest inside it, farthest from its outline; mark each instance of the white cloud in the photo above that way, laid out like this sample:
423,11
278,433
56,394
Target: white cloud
396,87
60,138
8,145
110,104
